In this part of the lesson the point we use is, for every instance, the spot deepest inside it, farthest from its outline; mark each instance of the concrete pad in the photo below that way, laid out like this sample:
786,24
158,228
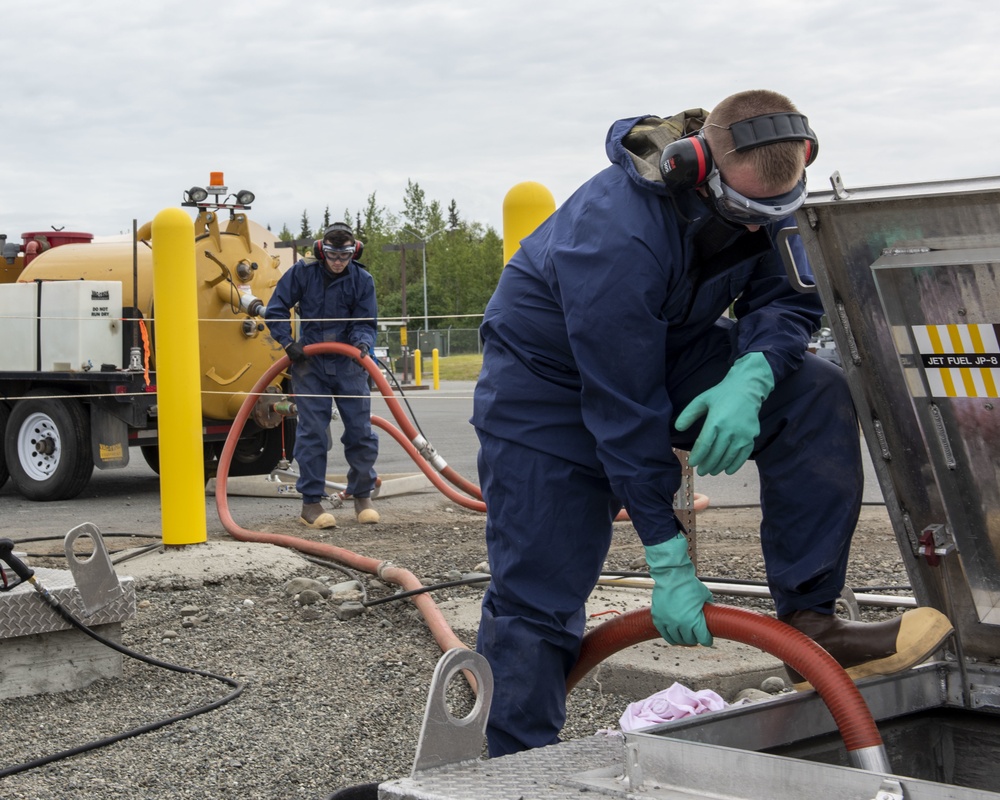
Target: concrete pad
212,561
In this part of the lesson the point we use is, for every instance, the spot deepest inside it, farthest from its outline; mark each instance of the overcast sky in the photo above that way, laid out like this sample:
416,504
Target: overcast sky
111,109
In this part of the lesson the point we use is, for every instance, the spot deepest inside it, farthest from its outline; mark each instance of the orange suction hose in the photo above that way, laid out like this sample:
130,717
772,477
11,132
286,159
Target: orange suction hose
439,627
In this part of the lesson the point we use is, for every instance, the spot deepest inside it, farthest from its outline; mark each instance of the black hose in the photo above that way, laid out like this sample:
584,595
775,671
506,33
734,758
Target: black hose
152,726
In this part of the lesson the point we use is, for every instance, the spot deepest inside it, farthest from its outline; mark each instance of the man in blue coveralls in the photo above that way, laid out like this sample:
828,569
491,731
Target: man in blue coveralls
335,296
605,345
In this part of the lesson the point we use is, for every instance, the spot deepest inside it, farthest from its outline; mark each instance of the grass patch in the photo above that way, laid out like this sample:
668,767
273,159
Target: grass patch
458,368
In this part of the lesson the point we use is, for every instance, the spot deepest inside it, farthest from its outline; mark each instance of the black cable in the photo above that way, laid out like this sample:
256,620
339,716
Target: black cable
402,394
61,537
425,589
152,726
130,553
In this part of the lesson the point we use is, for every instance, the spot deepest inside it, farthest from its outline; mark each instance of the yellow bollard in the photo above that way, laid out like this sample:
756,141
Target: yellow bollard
416,367
178,381
436,368
526,206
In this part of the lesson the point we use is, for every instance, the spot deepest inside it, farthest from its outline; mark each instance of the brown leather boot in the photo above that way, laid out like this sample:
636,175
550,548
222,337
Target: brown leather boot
314,516
864,649
365,511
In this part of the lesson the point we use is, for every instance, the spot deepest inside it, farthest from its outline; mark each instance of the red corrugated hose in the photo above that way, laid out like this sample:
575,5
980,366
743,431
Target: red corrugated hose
791,646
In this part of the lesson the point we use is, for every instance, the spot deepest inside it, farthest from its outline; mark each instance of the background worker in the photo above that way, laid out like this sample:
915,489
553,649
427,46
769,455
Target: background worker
335,297
605,345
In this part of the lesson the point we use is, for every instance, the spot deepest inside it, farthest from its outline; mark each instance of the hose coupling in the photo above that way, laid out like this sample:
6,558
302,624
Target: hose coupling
382,567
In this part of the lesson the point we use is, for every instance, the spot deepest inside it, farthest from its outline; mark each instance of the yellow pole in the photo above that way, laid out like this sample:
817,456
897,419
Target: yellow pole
436,368
178,381
416,367
526,206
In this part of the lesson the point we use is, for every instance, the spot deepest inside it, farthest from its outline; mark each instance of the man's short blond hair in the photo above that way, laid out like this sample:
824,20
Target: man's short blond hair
776,164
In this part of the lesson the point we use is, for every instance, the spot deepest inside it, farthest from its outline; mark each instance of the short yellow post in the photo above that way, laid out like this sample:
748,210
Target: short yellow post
526,206
416,367
178,379
436,368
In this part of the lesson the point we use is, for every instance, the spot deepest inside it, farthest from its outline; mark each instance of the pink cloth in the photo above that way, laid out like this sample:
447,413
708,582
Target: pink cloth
676,702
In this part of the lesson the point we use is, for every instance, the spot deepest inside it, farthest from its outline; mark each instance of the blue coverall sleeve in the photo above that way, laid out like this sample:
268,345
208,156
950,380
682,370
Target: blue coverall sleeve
362,328
277,313
613,282
772,317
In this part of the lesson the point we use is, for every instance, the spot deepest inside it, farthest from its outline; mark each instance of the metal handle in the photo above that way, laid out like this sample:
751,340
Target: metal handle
788,258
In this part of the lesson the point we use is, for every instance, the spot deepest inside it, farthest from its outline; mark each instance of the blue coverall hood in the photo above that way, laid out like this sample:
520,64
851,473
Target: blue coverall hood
635,144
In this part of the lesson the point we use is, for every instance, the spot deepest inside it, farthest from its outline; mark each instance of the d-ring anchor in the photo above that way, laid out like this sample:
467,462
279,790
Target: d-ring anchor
94,576
445,739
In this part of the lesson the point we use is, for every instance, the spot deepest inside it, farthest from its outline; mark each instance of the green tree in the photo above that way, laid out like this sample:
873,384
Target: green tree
464,259
305,232
285,235
415,212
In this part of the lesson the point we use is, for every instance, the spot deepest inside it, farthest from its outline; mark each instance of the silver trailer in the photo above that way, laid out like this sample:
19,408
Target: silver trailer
910,279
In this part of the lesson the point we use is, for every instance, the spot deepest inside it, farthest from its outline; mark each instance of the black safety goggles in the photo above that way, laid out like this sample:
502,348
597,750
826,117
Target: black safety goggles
742,210
338,253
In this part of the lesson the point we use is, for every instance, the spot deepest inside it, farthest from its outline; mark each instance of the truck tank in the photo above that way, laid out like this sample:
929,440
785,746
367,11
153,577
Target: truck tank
235,278
79,397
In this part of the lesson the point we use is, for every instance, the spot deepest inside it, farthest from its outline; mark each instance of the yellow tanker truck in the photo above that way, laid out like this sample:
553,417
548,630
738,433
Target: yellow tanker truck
77,349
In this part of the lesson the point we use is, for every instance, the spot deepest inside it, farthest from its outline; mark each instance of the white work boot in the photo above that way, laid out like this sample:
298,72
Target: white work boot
365,511
313,516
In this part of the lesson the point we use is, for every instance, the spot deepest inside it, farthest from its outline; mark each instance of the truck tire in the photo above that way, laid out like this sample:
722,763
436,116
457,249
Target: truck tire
4,472
47,447
151,454
258,453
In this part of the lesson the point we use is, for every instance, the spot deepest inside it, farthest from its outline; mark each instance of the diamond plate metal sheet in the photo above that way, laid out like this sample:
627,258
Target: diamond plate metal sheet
23,612
548,772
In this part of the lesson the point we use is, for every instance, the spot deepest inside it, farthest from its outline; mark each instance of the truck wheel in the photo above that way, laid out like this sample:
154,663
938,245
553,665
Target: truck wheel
4,472
260,452
151,453
47,448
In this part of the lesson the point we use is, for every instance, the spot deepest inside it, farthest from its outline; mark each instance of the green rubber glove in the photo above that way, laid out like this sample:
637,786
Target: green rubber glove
732,422
678,595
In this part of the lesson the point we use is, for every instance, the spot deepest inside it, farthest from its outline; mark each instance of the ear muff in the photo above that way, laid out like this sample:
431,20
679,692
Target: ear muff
686,163
359,248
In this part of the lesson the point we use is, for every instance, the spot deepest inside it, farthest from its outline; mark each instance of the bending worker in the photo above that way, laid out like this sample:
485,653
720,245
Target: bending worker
335,296
605,345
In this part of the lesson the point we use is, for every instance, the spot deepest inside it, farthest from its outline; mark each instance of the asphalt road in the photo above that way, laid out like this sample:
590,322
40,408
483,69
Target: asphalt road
128,499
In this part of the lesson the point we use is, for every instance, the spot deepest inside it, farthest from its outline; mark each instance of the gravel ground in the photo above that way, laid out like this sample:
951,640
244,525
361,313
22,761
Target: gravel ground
327,702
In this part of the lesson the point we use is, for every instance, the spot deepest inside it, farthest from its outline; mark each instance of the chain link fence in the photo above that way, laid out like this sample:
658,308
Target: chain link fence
447,341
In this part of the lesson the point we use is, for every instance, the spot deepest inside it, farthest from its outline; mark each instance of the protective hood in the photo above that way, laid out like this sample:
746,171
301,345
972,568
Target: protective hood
635,144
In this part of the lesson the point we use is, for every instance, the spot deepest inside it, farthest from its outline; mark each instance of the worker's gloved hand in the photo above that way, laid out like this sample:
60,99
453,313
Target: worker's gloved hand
296,352
732,422
678,595
364,350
